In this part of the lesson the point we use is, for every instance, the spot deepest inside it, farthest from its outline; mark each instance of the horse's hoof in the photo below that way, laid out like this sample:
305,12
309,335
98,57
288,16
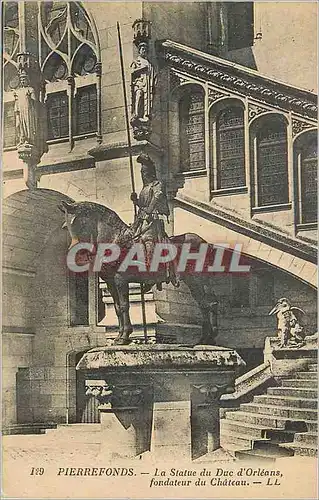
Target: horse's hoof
121,341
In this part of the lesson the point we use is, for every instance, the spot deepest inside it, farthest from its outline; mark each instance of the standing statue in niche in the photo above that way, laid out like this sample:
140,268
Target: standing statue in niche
30,118
290,324
26,112
143,82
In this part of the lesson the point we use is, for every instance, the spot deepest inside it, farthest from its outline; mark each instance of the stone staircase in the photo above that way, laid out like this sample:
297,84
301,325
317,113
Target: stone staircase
282,422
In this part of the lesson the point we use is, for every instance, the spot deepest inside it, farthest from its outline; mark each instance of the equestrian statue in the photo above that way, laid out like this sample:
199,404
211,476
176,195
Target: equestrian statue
95,223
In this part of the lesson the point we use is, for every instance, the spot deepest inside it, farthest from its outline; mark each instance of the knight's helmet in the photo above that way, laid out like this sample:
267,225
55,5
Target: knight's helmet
146,161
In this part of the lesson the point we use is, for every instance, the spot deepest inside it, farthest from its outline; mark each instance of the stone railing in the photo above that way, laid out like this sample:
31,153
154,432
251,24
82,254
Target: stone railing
249,384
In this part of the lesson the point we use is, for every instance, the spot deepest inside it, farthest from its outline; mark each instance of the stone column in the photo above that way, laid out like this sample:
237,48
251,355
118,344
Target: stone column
126,417
205,418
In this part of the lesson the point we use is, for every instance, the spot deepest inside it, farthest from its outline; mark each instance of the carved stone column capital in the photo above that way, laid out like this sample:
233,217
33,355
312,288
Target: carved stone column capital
116,397
207,394
98,68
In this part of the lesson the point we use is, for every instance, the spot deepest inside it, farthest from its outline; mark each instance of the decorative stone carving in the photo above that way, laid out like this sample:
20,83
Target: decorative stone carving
118,396
210,394
29,115
100,390
143,82
290,324
244,84
214,95
254,110
177,80
299,126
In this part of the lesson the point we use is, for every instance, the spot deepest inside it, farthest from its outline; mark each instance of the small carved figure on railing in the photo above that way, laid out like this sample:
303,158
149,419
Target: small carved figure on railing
290,323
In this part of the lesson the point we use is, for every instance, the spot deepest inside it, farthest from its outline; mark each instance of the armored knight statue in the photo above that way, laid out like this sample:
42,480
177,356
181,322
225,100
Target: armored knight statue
152,205
290,324
143,82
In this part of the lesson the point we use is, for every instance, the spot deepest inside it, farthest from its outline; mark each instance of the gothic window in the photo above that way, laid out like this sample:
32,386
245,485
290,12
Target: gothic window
68,58
240,24
11,47
307,162
58,115
230,148
86,110
271,163
192,130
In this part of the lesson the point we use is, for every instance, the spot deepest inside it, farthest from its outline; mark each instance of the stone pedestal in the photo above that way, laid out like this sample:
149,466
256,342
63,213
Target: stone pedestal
171,436
160,398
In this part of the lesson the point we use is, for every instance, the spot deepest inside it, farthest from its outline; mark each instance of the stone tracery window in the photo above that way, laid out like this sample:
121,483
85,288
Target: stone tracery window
271,163
306,158
192,130
11,47
69,57
230,148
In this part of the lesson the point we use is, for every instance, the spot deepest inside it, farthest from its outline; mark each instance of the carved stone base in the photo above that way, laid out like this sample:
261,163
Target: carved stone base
160,398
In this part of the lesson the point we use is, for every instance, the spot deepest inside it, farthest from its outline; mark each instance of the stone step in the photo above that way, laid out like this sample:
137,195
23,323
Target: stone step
307,375
301,450
281,411
309,438
285,401
313,367
268,453
237,440
273,422
252,431
297,392
294,382
75,429
280,435
234,441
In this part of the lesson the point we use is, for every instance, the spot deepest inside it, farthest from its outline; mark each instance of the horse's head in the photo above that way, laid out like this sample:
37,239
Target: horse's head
80,220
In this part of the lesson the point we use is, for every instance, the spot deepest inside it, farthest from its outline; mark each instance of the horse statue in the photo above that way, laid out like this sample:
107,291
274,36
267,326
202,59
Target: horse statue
95,223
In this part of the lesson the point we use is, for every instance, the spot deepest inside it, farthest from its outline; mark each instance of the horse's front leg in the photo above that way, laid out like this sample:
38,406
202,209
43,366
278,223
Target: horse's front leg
122,288
116,303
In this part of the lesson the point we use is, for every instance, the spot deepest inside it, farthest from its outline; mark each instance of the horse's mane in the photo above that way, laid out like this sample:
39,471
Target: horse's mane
112,218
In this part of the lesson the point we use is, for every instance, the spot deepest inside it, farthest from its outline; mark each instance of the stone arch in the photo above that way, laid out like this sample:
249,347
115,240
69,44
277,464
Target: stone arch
30,220
212,232
29,217
247,327
176,97
280,192
305,188
215,111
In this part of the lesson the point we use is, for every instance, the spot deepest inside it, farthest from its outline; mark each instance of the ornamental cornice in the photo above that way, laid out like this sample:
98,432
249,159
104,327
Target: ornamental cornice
238,80
255,110
214,95
177,80
299,126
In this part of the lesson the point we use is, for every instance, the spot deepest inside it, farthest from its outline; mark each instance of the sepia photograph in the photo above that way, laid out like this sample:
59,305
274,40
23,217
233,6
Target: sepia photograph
159,249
